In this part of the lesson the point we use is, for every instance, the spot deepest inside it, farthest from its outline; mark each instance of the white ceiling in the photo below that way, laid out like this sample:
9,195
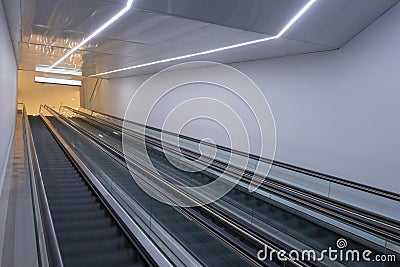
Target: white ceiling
159,29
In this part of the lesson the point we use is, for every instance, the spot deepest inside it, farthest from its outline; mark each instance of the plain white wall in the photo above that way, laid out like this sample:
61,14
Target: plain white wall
338,112
114,95
335,112
8,93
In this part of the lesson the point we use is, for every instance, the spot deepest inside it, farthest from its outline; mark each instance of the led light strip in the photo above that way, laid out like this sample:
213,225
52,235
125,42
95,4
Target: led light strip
102,28
39,79
280,34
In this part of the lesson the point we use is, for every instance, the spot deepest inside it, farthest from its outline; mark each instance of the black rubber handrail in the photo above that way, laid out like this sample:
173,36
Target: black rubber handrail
45,232
319,175
150,252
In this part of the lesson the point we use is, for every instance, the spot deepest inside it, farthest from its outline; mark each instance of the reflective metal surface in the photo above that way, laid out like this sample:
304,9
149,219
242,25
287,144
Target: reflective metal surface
159,29
262,16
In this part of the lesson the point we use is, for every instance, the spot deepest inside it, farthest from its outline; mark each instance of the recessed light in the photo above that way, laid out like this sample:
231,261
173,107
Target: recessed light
39,79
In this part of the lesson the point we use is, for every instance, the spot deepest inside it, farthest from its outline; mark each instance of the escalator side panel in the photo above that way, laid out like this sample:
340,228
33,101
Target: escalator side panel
86,232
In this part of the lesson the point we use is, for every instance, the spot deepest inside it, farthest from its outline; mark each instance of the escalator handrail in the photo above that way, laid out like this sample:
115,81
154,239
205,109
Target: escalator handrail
300,194
247,232
353,222
319,175
371,222
110,202
48,247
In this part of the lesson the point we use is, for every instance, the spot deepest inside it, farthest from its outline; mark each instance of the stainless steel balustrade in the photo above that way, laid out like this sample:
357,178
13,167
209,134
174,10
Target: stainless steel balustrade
391,246
48,249
386,207
163,193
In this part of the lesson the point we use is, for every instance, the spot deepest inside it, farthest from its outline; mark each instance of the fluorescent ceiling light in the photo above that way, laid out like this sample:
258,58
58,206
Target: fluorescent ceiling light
102,28
39,79
279,35
44,68
56,76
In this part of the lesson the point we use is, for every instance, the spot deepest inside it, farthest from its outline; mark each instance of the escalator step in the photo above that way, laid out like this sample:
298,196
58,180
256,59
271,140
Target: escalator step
93,214
73,202
85,231
109,259
70,195
83,224
98,233
94,245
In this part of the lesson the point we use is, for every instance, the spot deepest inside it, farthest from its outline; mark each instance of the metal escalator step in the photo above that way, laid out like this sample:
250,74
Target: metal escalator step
74,201
67,191
97,233
94,245
113,258
86,234
58,173
66,216
83,224
64,185
86,207
69,195
62,181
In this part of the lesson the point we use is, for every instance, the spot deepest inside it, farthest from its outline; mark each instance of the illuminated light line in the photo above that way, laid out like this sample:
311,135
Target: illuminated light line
296,18
279,35
102,28
39,79
187,56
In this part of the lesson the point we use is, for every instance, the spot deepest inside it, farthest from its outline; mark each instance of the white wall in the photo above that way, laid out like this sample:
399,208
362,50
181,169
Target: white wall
112,101
336,112
8,92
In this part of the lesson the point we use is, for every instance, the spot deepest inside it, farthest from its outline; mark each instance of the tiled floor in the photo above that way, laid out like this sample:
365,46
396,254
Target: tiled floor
17,231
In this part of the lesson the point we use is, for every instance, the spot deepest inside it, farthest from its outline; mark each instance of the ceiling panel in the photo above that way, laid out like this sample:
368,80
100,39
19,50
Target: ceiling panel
158,29
152,28
116,47
32,54
42,35
334,23
204,38
277,48
263,16
211,36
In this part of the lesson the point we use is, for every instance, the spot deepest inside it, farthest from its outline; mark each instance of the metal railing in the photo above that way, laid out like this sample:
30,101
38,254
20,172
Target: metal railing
47,244
128,225
358,218
353,215
367,221
325,177
212,211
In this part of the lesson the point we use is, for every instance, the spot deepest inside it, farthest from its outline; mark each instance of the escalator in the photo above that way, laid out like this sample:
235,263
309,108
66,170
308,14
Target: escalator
205,248
281,217
87,233
315,233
